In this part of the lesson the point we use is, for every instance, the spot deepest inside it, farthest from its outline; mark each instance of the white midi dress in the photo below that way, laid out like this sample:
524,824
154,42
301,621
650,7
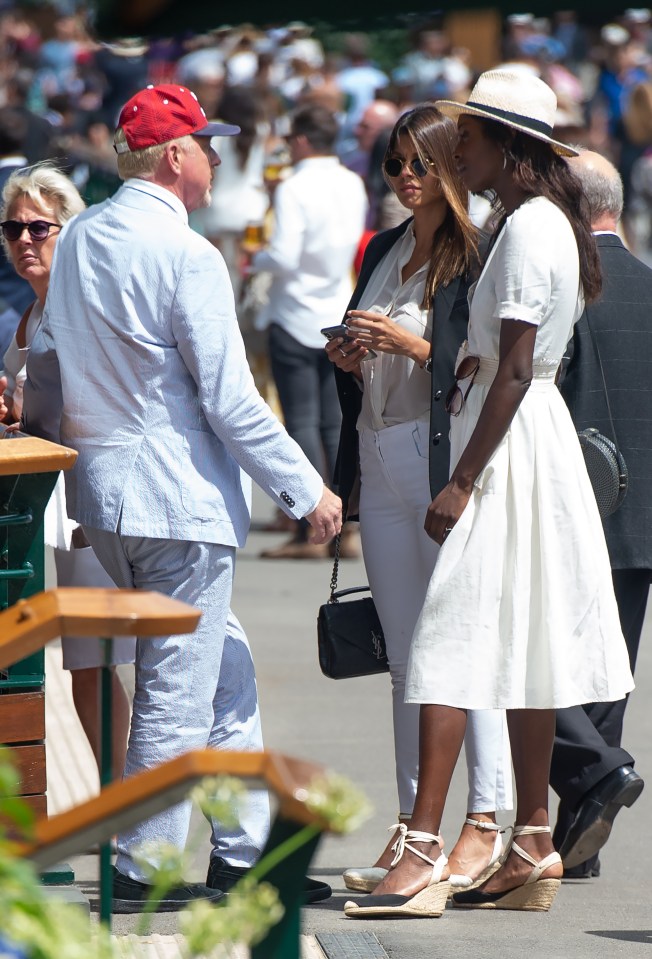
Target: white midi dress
520,611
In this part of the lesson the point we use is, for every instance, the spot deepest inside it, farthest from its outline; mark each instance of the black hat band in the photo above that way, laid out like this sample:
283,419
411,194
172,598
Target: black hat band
537,126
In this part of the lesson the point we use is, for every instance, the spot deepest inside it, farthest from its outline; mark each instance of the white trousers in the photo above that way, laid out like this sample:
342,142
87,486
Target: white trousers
400,557
193,691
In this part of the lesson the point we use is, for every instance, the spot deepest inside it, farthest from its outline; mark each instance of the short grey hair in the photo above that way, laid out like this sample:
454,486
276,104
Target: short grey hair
43,182
142,163
603,190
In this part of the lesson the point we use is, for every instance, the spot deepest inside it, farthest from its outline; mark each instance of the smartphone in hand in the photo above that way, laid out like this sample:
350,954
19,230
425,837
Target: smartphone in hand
331,332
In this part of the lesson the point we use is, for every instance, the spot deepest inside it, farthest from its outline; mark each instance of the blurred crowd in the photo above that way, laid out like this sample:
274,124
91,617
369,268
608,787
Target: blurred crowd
61,91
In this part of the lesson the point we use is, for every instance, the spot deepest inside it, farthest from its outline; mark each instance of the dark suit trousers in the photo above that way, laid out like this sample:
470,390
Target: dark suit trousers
587,740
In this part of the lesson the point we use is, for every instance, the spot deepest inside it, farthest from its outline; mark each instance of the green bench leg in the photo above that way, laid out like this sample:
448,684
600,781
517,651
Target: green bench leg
283,940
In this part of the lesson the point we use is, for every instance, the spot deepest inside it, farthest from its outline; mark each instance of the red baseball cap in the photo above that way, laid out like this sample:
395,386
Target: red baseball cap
166,112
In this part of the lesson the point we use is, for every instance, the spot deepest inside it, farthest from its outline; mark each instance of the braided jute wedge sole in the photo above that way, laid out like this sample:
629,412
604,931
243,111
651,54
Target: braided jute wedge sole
428,903
459,881
535,895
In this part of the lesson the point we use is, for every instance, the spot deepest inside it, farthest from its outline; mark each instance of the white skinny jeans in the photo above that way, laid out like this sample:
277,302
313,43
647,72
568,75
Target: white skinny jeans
400,557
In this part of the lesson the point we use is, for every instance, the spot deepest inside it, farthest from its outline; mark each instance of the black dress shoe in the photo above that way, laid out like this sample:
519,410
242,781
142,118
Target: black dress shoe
222,875
596,813
130,896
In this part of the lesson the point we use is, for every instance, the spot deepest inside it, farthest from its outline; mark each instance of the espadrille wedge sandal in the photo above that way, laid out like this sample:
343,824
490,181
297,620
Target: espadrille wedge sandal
429,902
535,895
460,881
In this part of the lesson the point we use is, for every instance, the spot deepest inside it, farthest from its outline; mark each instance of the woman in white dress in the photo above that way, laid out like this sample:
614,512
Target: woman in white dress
410,308
36,203
520,612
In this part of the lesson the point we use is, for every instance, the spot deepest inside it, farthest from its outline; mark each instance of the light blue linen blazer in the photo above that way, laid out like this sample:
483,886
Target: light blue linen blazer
155,391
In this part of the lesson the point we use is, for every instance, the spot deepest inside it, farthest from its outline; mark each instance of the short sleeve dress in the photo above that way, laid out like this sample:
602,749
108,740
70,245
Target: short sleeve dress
520,610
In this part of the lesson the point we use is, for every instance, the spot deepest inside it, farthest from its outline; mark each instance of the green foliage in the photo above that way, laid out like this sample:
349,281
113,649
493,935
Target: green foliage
251,909
335,799
387,44
223,798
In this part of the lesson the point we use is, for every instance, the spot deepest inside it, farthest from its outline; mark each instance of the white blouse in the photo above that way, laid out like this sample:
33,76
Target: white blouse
15,360
395,388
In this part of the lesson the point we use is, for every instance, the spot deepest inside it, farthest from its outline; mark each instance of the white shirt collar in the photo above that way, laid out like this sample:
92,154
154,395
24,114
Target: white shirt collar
160,193
605,233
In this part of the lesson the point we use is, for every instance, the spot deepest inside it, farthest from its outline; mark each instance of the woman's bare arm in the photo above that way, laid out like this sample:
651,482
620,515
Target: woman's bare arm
504,397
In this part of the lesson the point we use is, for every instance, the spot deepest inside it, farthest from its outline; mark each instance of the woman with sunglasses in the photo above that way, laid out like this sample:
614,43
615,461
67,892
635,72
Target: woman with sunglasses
520,612
407,318
36,203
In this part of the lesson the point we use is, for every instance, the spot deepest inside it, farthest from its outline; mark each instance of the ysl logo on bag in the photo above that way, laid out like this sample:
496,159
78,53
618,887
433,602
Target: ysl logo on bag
377,642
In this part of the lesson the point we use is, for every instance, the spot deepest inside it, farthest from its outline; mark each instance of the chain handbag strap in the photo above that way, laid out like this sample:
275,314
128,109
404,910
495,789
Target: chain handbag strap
604,382
336,569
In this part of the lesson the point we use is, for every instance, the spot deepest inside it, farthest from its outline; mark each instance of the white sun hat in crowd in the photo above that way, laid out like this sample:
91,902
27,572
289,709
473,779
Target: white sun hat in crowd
514,99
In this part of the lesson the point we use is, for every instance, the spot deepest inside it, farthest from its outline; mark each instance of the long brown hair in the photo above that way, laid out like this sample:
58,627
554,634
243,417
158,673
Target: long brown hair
539,171
455,243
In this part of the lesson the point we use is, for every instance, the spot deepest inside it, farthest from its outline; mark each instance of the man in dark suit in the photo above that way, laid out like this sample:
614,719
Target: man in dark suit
591,773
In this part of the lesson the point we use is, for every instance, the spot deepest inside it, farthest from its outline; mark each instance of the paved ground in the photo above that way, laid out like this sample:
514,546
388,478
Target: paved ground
346,726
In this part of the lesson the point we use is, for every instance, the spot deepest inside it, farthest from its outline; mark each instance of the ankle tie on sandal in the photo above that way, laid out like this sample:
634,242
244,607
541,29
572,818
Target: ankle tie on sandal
401,844
540,866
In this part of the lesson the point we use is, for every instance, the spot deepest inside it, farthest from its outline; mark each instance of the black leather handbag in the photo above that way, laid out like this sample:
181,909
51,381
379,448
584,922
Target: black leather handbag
350,638
605,464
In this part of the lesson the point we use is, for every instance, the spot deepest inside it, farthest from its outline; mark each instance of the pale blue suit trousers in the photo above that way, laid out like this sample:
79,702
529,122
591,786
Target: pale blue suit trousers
192,691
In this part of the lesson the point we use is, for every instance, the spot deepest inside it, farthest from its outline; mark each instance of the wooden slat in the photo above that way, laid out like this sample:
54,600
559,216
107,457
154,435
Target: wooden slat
31,623
38,804
22,717
28,454
30,765
122,805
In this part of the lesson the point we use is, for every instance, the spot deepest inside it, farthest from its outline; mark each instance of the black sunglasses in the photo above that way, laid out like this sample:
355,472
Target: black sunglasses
394,166
39,230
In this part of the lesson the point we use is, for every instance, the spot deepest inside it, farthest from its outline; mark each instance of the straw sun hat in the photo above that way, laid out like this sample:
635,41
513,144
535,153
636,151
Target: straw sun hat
521,102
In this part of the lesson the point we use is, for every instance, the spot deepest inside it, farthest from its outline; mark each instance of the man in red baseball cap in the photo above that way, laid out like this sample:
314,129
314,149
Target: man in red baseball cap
161,116
159,401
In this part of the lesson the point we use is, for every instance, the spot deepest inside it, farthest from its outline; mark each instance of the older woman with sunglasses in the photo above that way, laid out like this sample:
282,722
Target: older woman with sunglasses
520,612
36,203
407,319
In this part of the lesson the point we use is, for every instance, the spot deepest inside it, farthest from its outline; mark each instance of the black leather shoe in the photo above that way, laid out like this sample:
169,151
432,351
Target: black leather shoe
595,815
130,896
222,875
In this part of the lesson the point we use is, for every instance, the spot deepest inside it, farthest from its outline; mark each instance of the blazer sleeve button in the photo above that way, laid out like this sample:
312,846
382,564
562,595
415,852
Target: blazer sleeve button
438,395
436,438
